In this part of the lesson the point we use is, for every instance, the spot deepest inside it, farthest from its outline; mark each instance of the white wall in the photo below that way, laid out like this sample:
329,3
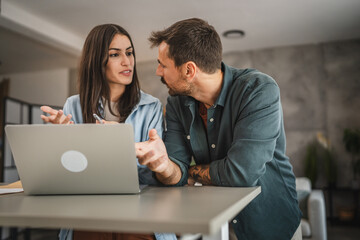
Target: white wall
42,87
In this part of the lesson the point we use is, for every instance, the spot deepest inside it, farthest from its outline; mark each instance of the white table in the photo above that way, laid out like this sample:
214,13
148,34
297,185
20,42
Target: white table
205,210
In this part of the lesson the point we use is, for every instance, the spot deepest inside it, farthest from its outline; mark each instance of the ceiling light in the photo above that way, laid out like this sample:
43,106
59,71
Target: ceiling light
234,34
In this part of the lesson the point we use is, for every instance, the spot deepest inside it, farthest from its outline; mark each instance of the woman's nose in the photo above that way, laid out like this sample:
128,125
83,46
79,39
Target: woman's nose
125,61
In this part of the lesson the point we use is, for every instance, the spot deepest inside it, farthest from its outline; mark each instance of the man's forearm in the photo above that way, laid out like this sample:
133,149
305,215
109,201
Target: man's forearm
171,176
201,174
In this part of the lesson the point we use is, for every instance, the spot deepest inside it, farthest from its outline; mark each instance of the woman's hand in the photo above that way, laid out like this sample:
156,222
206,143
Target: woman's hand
56,116
106,122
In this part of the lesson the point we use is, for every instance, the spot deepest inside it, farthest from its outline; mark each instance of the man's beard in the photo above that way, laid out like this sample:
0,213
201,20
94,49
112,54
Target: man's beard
173,92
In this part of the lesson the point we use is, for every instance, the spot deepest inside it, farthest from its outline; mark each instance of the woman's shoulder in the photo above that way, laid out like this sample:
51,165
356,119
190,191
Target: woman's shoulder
72,106
73,99
147,106
146,99
72,103
148,109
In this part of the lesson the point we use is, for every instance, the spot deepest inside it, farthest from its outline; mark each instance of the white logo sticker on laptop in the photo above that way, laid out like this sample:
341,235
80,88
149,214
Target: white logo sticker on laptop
74,161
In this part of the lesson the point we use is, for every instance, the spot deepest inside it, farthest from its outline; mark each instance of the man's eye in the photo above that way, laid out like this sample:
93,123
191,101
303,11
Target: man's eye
114,55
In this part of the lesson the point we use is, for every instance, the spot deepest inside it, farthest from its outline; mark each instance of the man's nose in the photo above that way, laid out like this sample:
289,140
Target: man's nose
159,71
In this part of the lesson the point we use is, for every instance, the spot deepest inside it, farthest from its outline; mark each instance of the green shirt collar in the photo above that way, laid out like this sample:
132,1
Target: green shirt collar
227,80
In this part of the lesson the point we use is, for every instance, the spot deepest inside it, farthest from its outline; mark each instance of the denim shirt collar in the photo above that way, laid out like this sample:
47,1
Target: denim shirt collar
144,100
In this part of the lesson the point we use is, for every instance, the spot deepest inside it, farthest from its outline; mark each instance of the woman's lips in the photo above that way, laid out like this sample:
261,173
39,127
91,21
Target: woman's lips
126,73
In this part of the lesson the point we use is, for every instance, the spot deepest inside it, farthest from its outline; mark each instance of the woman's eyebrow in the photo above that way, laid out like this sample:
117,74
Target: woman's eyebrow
118,49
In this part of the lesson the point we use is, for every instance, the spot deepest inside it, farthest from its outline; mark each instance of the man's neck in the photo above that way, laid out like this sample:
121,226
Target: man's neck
208,87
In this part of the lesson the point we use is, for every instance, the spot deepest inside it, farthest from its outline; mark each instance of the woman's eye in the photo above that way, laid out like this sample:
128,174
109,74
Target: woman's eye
129,53
114,55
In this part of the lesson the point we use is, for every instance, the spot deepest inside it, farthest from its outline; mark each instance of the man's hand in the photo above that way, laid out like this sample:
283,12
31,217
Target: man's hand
56,116
153,154
191,181
199,173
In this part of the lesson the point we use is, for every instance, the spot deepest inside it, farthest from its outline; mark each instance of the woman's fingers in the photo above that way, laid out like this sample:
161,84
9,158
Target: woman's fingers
66,120
109,122
45,118
56,116
48,110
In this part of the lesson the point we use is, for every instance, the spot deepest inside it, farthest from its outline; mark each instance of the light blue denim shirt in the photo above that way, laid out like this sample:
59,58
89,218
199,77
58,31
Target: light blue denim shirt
146,115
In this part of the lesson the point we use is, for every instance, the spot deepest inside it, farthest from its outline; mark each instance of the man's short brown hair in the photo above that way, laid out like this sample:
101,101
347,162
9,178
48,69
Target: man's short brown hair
191,40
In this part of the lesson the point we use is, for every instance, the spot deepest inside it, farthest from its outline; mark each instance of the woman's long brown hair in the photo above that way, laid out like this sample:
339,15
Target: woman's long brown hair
92,82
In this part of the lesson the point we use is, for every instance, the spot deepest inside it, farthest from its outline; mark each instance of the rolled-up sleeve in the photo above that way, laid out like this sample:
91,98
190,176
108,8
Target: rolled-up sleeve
176,147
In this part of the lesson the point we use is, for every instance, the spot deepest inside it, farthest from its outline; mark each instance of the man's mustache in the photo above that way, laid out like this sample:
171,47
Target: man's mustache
163,80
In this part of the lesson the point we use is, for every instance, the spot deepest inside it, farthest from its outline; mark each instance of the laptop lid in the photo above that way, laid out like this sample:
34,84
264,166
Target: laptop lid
75,159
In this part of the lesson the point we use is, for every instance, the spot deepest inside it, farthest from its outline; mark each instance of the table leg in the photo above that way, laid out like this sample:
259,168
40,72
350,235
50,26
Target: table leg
223,234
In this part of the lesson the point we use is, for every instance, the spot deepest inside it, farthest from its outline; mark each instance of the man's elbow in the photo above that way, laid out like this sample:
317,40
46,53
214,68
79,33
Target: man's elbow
237,181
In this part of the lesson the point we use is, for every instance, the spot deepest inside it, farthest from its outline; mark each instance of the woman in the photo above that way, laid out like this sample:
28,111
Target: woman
109,87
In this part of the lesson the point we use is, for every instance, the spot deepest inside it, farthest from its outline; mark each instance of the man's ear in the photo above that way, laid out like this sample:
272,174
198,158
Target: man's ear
189,70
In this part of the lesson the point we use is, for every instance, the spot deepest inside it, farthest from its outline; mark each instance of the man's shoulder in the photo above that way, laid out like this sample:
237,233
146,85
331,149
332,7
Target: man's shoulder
246,83
251,77
179,100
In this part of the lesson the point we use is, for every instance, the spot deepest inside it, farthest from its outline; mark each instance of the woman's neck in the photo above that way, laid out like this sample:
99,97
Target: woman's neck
116,91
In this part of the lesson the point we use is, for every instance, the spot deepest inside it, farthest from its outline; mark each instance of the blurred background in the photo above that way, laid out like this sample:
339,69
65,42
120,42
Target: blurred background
310,47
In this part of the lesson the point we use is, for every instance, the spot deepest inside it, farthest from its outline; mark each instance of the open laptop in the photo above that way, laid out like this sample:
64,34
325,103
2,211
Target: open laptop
75,159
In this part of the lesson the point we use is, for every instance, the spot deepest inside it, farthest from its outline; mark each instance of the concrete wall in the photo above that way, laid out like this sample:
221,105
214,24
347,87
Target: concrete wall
73,79
151,83
42,87
320,86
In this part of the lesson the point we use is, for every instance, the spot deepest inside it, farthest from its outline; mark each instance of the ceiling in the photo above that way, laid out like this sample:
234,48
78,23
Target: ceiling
46,34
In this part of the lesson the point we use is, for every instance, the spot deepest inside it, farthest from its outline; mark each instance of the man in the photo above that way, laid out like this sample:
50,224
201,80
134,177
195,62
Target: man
230,121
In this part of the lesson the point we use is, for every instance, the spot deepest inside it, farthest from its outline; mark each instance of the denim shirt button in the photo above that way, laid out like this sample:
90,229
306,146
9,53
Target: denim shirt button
188,137
213,146
211,119
234,221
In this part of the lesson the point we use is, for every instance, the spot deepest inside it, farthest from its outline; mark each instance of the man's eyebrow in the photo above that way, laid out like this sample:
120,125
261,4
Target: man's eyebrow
118,49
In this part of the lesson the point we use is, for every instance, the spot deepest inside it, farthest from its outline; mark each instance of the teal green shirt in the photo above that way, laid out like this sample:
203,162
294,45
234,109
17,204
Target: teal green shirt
244,143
